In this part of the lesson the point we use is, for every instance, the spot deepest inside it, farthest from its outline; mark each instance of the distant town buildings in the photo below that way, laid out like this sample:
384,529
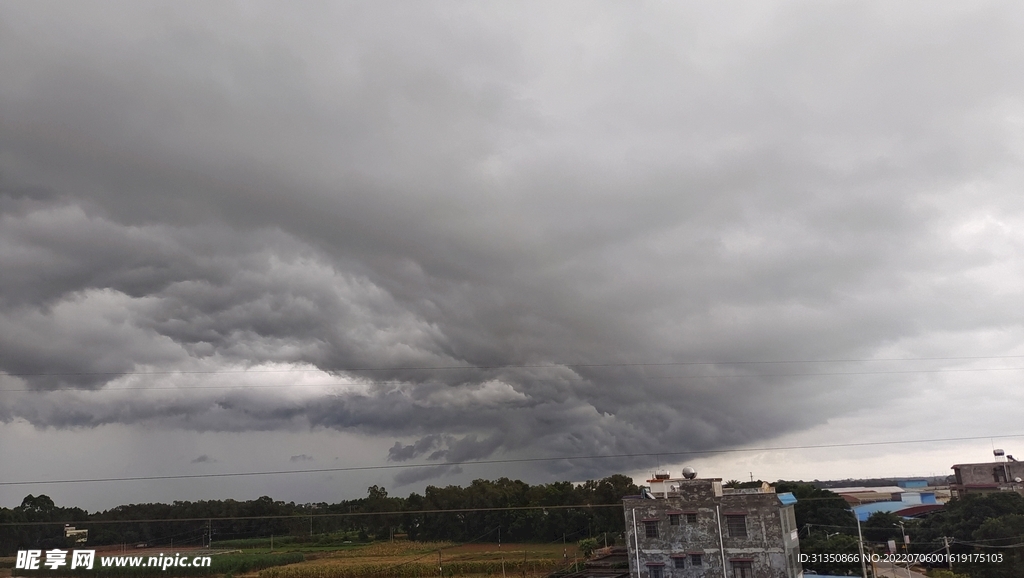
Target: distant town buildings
1003,474
688,527
909,499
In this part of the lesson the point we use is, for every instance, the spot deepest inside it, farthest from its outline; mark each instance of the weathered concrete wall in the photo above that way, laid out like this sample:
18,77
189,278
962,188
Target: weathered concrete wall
983,473
1001,476
769,545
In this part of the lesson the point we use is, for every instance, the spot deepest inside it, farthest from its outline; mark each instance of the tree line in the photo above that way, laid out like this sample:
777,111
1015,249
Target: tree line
540,517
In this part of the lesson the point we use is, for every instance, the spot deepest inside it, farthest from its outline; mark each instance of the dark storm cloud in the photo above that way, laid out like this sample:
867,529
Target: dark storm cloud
401,453
523,200
413,475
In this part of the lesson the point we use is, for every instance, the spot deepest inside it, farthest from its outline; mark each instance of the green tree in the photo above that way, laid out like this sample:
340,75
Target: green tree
837,544
1001,535
884,526
587,546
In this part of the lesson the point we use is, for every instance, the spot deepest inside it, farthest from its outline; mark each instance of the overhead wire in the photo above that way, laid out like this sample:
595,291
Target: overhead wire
504,461
325,515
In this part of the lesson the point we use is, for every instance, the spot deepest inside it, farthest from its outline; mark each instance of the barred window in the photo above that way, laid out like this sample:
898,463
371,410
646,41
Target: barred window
742,570
737,525
696,560
655,572
651,529
691,518
673,519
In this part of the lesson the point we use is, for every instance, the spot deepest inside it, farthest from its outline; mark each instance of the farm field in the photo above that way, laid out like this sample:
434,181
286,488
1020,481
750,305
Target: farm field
415,559
399,559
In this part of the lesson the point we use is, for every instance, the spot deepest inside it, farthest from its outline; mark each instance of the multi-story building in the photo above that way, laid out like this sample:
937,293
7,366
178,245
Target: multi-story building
689,528
1004,474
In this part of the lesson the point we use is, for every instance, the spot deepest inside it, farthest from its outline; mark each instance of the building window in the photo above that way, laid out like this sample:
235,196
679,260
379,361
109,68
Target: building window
651,529
679,562
999,474
691,518
737,525
655,572
673,519
696,560
742,570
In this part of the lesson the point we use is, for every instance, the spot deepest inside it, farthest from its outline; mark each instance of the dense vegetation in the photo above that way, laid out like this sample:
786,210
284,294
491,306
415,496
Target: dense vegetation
378,515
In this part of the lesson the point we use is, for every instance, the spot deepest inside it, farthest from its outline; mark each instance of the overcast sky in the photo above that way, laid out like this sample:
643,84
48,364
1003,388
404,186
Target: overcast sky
244,236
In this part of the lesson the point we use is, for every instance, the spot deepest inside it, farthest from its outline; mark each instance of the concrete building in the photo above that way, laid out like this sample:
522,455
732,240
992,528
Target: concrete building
689,528
1004,474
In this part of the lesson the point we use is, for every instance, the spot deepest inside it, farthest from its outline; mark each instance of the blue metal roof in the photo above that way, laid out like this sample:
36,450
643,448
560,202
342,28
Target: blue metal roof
787,498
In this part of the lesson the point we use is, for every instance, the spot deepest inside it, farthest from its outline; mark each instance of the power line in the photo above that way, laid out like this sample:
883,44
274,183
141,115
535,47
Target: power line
976,545
517,366
308,516
342,515
503,461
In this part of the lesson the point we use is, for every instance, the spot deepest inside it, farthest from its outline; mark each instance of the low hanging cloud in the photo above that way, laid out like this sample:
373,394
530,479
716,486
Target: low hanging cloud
488,240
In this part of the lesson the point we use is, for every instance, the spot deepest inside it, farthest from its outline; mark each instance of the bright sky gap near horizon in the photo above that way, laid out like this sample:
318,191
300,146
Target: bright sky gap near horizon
243,237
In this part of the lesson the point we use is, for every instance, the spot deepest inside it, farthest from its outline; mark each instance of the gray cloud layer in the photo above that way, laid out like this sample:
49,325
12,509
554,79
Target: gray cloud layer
344,188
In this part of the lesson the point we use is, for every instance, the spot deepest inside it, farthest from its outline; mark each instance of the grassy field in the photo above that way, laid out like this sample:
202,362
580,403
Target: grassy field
416,559
235,564
399,559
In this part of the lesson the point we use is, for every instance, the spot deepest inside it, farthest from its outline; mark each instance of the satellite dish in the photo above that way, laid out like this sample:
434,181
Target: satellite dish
689,473
1017,479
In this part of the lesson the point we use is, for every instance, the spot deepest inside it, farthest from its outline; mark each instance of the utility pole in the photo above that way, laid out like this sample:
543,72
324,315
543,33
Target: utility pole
860,544
906,547
503,554
949,559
